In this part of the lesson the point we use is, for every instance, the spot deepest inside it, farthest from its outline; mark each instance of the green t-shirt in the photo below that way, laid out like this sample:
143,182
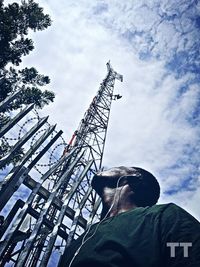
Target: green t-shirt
141,237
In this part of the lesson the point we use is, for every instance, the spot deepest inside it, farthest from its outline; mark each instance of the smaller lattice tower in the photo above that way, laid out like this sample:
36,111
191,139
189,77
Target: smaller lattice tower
61,203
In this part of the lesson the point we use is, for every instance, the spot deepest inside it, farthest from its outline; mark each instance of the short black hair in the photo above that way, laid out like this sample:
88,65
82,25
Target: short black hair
144,185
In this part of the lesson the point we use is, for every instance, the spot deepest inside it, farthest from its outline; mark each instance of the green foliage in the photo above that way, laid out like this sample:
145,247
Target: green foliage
4,119
4,150
30,81
16,20
31,76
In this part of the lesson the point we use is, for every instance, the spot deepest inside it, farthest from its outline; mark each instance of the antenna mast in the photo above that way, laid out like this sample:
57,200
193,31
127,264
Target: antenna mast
61,203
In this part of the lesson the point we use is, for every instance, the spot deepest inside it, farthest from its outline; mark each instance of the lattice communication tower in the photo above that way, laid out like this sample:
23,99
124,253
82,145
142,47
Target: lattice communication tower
44,206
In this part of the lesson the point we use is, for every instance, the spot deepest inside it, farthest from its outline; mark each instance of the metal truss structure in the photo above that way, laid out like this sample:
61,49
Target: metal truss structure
46,199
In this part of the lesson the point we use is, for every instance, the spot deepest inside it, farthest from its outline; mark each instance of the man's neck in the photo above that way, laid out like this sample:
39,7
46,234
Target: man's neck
116,201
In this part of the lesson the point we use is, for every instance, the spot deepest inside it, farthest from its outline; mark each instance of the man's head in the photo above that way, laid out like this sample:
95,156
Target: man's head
143,184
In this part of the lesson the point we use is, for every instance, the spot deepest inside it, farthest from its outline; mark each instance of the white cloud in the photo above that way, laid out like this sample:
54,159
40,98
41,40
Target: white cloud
149,126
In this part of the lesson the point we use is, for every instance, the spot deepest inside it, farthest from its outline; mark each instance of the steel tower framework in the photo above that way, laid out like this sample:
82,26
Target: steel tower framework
60,202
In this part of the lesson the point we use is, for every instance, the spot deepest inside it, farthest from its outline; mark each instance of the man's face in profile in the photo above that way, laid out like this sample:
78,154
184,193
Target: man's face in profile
108,178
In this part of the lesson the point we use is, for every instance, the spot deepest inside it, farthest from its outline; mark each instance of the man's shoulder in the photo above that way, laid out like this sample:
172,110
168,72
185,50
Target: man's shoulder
155,209
168,210
171,211
164,207
167,206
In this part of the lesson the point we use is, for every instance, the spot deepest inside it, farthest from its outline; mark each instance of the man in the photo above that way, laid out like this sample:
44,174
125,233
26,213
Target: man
133,231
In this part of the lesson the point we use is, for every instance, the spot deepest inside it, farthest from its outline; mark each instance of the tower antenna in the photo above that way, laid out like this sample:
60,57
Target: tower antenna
61,203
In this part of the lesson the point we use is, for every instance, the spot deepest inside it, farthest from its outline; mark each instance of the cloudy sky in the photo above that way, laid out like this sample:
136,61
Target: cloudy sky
155,46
